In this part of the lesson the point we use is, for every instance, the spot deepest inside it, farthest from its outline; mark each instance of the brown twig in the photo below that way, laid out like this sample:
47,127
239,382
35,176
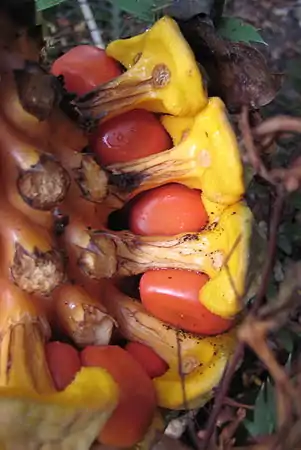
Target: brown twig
281,192
278,125
289,177
253,333
226,380
283,181
221,394
252,152
230,402
193,436
226,265
226,437
271,250
268,131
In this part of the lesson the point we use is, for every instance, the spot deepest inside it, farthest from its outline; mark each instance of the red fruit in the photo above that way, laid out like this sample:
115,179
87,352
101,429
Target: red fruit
168,210
173,296
137,403
84,67
153,365
131,135
63,362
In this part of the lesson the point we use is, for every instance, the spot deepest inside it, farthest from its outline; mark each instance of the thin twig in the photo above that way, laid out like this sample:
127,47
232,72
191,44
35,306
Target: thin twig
221,394
226,265
271,251
180,370
226,438
258,165
91,23
252,153
230,370
277,125
186,406
230,402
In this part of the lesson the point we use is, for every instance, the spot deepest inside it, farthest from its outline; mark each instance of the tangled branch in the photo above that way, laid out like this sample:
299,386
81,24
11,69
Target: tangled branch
264,319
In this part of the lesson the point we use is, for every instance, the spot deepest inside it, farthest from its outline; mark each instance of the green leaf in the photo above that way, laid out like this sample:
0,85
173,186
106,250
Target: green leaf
295,198
272,290
284,243
293,70
142,9
238,31
286,339
41,5
264,417
289,237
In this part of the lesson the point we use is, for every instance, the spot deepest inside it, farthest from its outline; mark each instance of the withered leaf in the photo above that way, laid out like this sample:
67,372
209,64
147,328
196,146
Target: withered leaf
237,72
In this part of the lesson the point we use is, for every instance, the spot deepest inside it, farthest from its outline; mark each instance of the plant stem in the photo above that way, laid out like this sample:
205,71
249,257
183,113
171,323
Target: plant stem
91,23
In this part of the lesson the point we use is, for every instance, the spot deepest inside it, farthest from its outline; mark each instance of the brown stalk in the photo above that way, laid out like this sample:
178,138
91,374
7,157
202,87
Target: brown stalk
182,377
277,125
257,340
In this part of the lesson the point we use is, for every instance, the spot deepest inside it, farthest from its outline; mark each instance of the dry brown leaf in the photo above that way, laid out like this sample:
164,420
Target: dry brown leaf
237,72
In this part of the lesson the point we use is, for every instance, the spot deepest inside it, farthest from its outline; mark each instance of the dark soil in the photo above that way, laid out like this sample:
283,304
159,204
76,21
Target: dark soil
279,22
